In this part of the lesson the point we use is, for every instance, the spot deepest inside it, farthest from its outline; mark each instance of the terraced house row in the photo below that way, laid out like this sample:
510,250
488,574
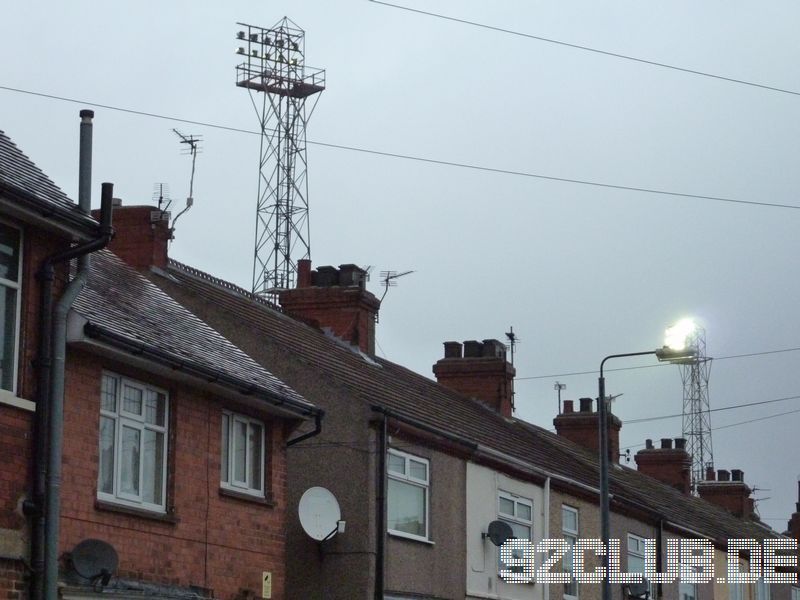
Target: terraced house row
159,426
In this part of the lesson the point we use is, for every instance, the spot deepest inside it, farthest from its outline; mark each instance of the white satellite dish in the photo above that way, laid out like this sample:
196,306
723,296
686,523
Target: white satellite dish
320,516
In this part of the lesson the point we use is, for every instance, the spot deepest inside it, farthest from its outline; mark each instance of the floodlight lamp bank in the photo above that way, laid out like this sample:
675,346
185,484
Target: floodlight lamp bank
667,354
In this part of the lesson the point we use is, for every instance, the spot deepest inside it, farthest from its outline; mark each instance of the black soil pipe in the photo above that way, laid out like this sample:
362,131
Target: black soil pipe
380,509
44,365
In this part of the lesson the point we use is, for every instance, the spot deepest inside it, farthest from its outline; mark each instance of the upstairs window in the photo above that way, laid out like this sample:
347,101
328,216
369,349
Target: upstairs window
636,560
407,495
569,527
133,443
242,461
517,512
10,260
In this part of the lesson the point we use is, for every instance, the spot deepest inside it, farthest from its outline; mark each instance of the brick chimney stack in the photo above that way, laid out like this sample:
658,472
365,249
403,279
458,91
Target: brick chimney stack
481,372
336,299
728,491
142,235
582,427
669,465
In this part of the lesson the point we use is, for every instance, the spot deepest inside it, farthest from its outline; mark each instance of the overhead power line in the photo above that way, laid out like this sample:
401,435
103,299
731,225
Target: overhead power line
747,422
652,63
734,406
571,373
421,159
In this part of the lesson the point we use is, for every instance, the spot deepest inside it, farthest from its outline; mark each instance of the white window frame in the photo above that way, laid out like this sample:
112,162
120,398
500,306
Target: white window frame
425,484
123,418
685,587
570,533
17,286
640,540
246,486
517,500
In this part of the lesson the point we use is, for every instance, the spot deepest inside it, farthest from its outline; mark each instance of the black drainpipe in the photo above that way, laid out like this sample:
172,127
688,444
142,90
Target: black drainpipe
45,420
55,425
380,508
316,431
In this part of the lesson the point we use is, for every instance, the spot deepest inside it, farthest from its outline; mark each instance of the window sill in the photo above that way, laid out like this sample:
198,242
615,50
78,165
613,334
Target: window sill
11,399
106,506
245,497
411,538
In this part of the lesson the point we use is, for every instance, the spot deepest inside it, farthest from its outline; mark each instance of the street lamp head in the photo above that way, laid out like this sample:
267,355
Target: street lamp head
680,356
678,337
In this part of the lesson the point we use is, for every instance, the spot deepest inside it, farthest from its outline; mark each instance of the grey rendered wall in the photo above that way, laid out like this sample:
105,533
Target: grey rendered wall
434,570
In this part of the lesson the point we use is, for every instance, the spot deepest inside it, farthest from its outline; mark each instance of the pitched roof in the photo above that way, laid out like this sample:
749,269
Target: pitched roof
124,308
21,178
413,395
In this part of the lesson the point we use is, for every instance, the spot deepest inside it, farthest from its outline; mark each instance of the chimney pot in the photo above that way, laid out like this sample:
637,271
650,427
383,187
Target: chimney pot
586,404
710,474
352,275
304,273
452,349
723,475
680,443
648,444
569,407
666,443
737,475
473,349
116,202
494,349
325,276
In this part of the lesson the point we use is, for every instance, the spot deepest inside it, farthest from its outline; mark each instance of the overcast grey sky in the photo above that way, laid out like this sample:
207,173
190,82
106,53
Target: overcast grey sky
580,272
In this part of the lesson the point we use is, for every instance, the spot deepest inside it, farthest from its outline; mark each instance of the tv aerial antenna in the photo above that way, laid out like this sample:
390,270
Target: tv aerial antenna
161,197
513,340
191,146
389,279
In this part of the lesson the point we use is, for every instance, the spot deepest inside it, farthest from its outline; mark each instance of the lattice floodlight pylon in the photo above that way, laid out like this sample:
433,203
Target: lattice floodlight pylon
284,92
696,406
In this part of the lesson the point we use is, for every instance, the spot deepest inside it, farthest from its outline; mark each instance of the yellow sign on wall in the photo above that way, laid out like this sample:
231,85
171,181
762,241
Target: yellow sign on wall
266,584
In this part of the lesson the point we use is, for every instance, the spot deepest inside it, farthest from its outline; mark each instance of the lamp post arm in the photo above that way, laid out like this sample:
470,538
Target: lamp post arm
603,362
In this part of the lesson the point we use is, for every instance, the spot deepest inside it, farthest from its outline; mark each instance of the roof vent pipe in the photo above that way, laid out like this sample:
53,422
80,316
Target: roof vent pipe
85,162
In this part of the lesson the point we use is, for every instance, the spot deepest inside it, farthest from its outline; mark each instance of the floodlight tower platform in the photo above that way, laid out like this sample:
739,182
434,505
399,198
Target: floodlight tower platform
284,93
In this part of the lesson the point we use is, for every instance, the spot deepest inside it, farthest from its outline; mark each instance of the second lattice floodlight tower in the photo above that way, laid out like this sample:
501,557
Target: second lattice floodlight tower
284,92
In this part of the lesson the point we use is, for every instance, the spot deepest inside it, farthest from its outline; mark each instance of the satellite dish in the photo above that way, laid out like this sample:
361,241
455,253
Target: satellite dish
319,513
638,590
95,559
499,532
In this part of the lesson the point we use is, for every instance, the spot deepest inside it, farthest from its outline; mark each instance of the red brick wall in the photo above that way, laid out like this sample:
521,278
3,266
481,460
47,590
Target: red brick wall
490,380
670,466
12,580
733,496
17,424
16,440
348,311
582,428
220,542
139,242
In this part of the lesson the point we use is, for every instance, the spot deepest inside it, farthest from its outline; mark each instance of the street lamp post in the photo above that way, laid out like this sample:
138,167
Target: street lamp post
669,354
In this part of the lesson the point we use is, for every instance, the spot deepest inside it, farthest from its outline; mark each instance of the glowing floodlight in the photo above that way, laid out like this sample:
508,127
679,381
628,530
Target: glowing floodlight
677,336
